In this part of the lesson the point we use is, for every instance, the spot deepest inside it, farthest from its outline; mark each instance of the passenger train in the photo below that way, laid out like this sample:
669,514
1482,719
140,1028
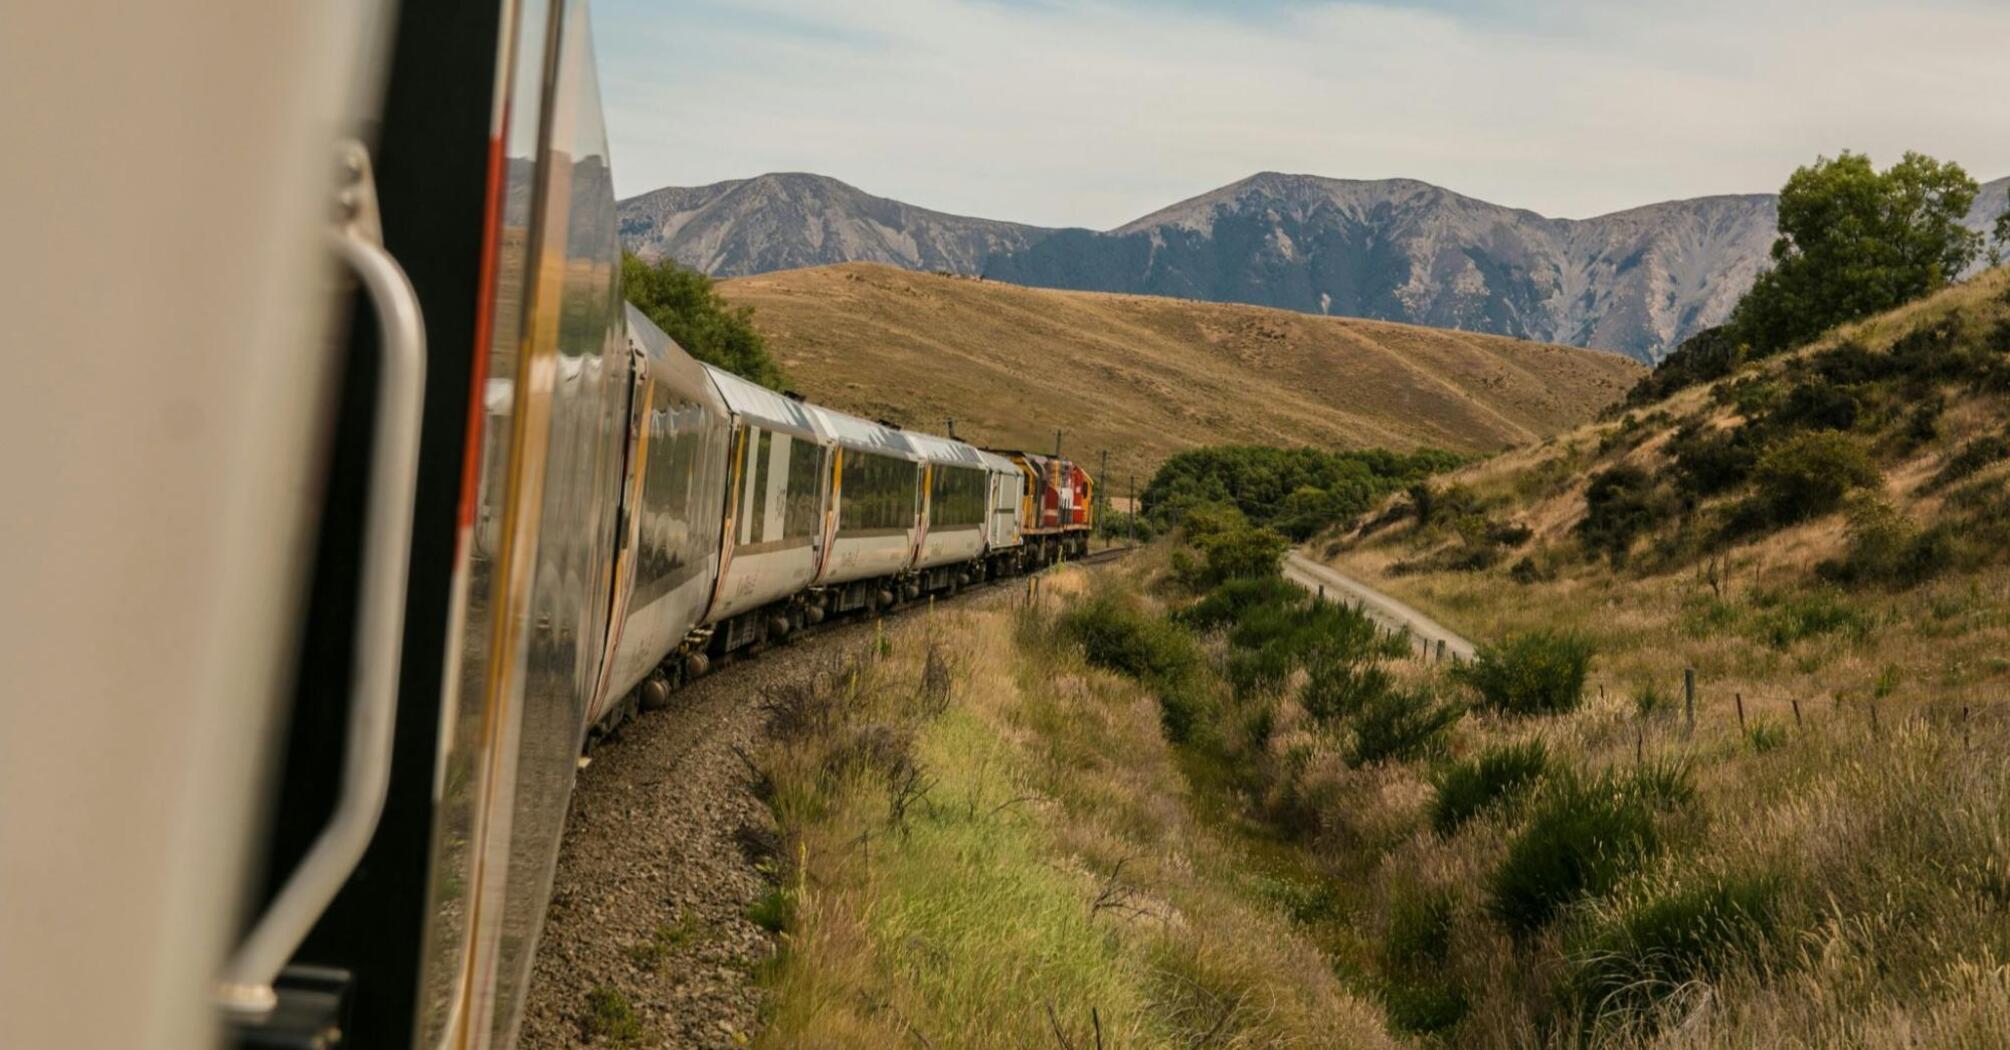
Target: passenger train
359,503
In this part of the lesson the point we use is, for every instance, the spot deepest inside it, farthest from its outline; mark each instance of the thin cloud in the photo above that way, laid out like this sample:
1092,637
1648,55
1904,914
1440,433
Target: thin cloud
1094,113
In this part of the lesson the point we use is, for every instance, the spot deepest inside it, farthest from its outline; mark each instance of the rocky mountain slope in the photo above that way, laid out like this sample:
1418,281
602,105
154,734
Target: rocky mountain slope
1637,281
785,221
1145,376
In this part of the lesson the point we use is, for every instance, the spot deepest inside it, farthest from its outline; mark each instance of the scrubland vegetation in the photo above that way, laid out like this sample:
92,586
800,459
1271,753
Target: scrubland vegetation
1823,538
1729,770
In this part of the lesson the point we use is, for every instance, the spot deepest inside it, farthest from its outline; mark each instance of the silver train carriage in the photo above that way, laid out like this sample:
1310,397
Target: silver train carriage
418,541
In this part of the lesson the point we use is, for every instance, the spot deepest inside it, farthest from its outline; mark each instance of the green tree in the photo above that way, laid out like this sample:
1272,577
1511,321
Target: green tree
1854,241
2001,234
683,303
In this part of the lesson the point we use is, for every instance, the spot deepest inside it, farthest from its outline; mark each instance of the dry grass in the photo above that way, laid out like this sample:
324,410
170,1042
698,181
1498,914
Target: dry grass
1868,775
1145,376
1051,888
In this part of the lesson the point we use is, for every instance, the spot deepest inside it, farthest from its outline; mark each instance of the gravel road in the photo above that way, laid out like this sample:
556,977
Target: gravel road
1380,607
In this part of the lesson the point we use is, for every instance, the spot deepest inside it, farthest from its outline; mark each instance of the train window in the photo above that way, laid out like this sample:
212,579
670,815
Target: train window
956,497
805,491
877,492
754,524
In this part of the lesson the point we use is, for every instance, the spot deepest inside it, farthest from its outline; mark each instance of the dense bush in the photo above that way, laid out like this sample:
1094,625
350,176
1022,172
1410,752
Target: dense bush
1709,354
1583,836
1299,491
1500,773
1537,673
1271,641
1340,686
1117,634
1885,548
1808,475
1665,939
1709,460
1229,548
1400,725
1228,603
1621,504
683,303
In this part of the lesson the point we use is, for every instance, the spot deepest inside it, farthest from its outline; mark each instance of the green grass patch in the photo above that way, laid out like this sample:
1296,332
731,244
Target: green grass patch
610,1016
1497,775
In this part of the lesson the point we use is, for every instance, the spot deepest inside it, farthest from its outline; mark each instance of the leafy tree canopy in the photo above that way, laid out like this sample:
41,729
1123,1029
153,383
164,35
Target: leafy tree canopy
1298,491
1854,241
683,303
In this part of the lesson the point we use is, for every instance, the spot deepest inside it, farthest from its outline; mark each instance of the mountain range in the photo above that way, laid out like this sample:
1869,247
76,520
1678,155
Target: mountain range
1636,282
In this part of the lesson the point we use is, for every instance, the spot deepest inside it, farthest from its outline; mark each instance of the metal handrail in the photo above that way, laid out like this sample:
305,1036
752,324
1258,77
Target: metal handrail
245,986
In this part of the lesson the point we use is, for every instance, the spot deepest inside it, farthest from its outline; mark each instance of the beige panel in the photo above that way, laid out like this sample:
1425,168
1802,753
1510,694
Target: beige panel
167,173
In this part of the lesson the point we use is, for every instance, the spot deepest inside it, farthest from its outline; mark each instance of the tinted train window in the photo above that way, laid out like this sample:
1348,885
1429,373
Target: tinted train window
877,492
805,489
955,497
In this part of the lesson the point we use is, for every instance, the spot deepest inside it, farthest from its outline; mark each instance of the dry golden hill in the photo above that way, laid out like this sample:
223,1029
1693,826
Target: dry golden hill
1145,376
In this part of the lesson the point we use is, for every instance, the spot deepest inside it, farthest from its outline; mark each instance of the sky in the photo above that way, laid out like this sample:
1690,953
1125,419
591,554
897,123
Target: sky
1093,113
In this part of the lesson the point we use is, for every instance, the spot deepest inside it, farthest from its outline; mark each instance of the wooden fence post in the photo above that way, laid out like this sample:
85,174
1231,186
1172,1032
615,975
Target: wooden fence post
1689,698
1740,697
1797,711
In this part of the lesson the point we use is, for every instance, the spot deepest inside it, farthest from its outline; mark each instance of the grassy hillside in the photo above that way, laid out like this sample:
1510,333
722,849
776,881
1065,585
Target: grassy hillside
987,843
1145,376
1824,540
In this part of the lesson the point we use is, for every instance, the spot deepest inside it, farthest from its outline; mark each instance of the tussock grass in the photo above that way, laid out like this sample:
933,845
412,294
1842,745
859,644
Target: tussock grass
1497,775
1051,885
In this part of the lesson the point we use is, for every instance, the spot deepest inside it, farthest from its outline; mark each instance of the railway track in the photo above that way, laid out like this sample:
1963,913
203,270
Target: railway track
655,875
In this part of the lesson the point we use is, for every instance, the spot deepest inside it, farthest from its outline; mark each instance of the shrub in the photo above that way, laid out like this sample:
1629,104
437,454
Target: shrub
1399,725
1415,950
1238,553
1884,548
1584,835
1343,686
1236,598
1271,641
1621,504
1809,616
610,1016
1972,457
1710,460
1669,938
1809,475
1118,635
1541,672
1498,774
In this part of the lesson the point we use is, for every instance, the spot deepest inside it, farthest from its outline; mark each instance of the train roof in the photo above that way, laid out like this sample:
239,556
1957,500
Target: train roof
848,431
669,366
761,406
947,451
1001,464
